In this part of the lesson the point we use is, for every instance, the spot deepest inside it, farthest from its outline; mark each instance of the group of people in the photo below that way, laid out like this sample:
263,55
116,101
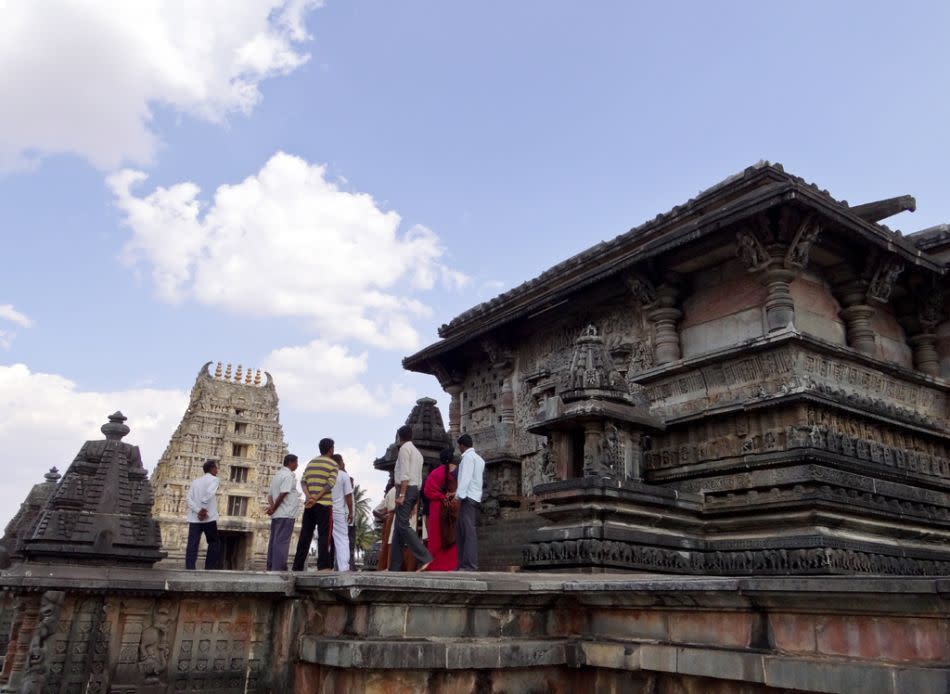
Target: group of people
453,492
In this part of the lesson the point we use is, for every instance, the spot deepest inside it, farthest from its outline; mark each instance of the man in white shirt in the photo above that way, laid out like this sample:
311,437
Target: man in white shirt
283,505
408,478
471,473
342,495
203,518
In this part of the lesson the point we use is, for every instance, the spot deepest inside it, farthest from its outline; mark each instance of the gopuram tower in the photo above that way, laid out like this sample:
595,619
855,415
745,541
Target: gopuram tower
232,418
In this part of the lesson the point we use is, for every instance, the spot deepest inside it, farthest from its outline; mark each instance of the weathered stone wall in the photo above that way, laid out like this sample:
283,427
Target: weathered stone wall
137,631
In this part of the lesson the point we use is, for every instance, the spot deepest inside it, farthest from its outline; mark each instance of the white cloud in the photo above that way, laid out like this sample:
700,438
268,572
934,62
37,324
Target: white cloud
321,377
287,242
83,76
11,314
44,420
359,464
7,312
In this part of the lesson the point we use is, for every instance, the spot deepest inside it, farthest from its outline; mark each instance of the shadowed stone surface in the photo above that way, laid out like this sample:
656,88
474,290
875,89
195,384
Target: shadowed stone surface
101,511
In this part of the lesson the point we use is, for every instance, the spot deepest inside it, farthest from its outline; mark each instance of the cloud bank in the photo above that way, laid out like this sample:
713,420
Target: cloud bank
287,242
84,77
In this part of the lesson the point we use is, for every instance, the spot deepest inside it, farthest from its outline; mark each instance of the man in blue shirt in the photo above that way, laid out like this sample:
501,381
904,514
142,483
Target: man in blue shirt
470,475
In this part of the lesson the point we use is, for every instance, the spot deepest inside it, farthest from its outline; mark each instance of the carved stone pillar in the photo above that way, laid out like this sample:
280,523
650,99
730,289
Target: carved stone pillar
857,315
857,320
455,410
664,316
633,456
925,353
779,305
507,401
593,433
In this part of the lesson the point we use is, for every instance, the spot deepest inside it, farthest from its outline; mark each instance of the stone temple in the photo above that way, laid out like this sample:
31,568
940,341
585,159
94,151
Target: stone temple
233,418
716,455
752,383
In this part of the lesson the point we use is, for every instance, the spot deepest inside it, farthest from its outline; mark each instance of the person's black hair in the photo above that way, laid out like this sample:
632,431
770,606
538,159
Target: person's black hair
338,458
326,445
465,440
209,464
289,458
446,455
404,433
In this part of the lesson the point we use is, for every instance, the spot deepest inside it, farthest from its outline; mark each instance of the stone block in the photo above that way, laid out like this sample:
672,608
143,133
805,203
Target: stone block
727,298
658,657
793,633
721,629
473,655
424,621
918,640
721,664
644,624
812,675
616,656
721,332
387,620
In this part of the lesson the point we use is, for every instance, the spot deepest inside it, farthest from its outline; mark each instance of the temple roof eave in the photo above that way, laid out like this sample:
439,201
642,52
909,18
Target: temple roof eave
650,240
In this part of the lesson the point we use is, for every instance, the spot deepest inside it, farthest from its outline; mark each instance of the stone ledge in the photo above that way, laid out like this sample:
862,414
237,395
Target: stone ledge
434,654
835,676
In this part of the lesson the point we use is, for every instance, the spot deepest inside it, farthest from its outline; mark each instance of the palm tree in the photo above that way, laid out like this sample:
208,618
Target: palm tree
365,532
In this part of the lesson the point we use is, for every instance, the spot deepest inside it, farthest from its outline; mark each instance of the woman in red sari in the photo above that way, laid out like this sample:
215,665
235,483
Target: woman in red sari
443,513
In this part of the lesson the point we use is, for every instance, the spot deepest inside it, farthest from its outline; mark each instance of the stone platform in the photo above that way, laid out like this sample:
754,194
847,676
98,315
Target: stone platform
141,630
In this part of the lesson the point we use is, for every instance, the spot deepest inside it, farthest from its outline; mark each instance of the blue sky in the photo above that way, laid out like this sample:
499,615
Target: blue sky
314,189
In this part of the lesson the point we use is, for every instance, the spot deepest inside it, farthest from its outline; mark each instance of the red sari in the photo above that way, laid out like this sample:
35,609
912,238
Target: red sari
444,558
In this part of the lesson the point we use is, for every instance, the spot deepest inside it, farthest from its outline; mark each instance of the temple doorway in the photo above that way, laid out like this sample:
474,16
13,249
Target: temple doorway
234,550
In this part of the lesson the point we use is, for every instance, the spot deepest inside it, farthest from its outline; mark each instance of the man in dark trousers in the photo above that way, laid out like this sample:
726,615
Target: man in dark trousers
408,477
471,474
318,479
203,518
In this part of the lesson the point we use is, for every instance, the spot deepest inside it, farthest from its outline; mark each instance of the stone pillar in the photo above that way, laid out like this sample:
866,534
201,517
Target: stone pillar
925,353
633,456
507,401
455,410
779,306
664,315
593,434
857,318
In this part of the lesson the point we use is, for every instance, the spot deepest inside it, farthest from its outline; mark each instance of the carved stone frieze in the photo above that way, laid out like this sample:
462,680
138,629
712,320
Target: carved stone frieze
794,561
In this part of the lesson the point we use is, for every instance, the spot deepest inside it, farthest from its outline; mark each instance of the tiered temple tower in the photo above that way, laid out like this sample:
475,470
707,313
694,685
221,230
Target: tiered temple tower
233,419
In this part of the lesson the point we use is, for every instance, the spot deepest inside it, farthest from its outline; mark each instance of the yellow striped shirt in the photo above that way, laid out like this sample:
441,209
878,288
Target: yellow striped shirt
321,472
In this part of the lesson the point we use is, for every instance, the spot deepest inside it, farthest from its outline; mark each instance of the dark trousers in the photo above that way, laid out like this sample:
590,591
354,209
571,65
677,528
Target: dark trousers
465,536
317,516
213,557
404,536
352,533
279,545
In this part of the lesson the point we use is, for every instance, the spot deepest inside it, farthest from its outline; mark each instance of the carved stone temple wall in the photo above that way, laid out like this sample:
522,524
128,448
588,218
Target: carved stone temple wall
233,418
752,383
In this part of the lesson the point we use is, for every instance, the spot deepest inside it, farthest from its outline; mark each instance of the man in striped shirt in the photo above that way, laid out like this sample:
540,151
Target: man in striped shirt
317,484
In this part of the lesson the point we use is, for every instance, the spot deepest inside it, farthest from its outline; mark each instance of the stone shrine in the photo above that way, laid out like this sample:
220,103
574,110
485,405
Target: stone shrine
100,513
752,383
428,435
233,418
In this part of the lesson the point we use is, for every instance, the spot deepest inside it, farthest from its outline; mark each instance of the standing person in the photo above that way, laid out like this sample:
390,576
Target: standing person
318,479
351,528
439,489
469,493
283,503
408,476
342,496
203,518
